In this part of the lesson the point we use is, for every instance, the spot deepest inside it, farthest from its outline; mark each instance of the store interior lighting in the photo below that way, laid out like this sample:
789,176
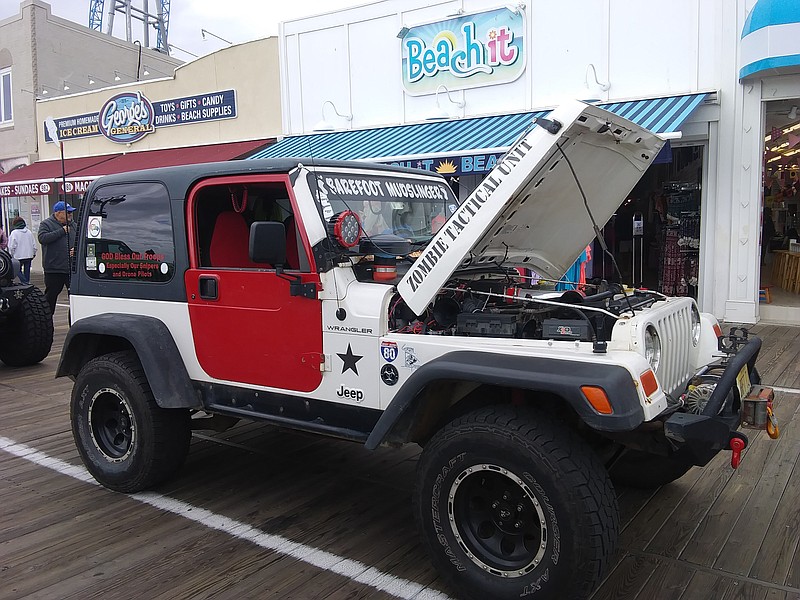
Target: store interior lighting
324,124
794,127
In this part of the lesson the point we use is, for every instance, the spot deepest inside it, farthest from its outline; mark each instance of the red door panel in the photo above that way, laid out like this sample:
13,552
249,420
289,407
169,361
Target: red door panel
253,331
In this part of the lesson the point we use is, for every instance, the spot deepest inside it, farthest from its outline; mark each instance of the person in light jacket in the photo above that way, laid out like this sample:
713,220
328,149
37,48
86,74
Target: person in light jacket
58,242
22,246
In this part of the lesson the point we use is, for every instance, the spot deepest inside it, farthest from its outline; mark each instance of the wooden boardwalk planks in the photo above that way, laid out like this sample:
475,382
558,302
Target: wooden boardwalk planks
713,534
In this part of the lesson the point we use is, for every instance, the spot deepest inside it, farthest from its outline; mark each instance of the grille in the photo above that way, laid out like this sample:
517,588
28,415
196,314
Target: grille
675,331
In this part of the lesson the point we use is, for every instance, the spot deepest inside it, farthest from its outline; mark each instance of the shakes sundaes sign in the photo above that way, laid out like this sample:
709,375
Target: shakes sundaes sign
129,116
467,51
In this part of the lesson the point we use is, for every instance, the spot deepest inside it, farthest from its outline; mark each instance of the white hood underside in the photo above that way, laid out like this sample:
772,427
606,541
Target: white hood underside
529,210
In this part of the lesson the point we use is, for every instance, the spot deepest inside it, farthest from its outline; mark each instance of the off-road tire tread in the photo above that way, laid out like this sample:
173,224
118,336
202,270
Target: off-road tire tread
171,432
27,336
576,464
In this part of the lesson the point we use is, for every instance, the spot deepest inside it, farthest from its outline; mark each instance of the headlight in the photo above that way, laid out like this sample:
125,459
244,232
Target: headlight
695,326
652,347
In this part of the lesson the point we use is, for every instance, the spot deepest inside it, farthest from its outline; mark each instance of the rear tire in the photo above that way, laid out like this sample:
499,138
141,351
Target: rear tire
27,335
510,503
127,442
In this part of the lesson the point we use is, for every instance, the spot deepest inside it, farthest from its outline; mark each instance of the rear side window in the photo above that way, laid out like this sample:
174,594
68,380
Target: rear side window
128,230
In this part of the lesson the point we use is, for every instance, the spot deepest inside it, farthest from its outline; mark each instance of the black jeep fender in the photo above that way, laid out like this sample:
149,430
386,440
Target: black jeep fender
563,378
150,339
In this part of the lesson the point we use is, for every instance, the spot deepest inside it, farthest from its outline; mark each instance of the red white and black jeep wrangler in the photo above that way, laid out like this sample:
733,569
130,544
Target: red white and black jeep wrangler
364,302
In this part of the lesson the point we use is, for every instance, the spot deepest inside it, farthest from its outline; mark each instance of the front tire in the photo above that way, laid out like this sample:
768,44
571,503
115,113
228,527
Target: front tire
511,503
127,442
28,334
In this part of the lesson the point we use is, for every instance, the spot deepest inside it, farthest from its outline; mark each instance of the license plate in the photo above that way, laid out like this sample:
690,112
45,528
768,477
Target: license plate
743,383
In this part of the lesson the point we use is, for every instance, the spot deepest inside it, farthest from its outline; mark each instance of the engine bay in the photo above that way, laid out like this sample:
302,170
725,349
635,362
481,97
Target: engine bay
508,306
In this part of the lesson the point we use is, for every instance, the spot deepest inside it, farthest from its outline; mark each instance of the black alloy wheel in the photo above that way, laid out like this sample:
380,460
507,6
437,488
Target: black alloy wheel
498,519
111,424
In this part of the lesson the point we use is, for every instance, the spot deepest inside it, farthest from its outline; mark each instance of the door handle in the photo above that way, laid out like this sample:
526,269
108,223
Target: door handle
209,287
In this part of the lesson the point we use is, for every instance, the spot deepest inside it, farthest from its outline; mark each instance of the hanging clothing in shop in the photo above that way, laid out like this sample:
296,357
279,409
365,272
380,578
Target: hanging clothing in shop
575,277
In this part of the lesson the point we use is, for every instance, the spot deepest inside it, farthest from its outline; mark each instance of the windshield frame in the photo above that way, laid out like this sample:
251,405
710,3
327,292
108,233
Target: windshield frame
406,204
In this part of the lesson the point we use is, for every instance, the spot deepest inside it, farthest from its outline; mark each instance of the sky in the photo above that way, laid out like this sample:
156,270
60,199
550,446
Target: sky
234,20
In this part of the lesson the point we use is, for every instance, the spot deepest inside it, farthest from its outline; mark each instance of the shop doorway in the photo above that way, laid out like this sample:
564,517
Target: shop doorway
779,292
655,234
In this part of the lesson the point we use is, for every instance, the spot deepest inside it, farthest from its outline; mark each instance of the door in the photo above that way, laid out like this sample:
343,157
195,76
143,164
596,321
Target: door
247,326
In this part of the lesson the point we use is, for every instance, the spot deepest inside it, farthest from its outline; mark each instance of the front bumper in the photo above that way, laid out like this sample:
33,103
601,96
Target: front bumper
697,438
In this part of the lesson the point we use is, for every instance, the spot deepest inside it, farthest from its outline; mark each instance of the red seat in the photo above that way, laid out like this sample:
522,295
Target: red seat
230,243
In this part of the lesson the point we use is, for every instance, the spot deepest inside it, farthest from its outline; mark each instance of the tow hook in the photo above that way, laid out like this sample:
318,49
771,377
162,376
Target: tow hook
737,443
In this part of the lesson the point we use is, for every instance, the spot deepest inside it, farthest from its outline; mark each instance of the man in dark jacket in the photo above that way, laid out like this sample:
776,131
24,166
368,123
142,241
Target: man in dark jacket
58,241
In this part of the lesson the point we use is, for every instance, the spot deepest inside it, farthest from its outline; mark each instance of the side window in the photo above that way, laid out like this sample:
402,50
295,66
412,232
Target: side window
223,215
6,107
128,230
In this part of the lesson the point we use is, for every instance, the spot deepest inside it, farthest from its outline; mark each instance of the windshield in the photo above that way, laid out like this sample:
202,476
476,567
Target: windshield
414,208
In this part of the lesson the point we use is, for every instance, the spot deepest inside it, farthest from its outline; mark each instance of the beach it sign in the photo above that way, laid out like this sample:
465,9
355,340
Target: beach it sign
467,51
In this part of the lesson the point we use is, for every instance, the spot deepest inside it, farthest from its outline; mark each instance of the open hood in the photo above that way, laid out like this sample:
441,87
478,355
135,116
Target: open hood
529,210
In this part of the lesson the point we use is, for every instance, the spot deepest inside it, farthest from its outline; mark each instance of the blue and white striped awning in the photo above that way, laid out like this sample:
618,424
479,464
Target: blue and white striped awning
465,136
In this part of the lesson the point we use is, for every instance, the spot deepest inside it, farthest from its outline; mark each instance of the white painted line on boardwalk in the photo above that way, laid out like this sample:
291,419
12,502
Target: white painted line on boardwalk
351,569
785,389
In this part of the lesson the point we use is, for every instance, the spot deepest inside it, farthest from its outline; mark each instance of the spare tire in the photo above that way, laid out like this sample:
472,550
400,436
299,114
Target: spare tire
27,334
6,265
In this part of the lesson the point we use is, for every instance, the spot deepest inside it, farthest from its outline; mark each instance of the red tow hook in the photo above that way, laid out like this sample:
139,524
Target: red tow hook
737,445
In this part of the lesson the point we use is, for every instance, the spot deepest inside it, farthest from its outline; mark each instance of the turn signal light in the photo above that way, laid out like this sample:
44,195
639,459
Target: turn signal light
649,383
598,399
717,330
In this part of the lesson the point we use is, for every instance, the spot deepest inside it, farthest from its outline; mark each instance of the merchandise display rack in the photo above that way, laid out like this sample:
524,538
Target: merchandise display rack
680,240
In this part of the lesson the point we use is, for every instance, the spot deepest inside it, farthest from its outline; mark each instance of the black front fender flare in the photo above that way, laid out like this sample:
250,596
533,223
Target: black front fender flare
152,342
558,376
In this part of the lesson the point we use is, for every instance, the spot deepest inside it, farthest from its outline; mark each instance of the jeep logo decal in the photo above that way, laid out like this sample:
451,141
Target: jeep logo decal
352,393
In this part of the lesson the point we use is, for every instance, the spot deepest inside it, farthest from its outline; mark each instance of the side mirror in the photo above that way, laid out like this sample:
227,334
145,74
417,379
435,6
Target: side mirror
268,243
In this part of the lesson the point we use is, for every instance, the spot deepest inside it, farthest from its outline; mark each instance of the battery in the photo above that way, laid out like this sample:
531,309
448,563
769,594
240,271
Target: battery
486,325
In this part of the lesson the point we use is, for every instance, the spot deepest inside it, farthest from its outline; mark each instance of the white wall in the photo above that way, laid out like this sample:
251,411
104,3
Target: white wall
353,58
643,48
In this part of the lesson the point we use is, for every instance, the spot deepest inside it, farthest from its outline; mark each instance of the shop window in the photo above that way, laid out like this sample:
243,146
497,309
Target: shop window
6,109
128,232
655,235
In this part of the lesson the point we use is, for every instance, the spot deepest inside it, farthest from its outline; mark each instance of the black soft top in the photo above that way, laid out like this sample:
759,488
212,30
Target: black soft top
179,179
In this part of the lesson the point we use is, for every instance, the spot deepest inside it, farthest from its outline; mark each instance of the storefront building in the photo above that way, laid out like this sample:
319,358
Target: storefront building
768,137
448,86
212,109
